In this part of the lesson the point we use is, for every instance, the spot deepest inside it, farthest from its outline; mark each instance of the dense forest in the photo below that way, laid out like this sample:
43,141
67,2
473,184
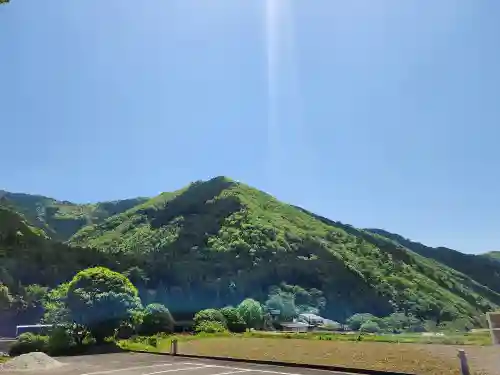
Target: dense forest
215,243
495,255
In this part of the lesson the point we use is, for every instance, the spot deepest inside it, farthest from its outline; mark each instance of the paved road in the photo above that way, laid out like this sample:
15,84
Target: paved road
150,364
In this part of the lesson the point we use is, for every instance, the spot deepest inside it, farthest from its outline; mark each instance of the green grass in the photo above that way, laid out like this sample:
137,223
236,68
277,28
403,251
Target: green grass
163,341
478,338
379,352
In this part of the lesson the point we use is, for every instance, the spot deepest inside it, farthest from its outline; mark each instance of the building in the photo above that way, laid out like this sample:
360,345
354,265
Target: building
311,319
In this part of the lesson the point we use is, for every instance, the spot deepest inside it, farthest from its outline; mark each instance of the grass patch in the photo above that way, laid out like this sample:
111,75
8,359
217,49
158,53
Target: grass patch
4,359
476,338
412,353
368,355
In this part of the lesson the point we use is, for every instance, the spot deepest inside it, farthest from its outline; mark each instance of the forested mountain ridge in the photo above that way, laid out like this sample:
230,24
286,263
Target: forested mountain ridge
217,242
481,268
61,219
227,231
495,255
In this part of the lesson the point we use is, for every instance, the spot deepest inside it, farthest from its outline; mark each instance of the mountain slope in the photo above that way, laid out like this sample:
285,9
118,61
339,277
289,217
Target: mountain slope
220,240
483,269
495,255
28,256
61,219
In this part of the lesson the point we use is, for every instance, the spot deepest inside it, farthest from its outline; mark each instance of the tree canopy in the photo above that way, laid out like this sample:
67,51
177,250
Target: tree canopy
101,300
251,312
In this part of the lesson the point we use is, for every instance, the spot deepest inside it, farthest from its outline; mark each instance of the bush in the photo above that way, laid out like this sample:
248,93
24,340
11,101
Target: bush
357,320
210,315
206,326
156,319
369,327
61,342
69,339
235,322
146,340
27,343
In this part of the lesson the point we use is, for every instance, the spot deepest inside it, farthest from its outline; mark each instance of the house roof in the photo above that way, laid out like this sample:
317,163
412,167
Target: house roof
295,324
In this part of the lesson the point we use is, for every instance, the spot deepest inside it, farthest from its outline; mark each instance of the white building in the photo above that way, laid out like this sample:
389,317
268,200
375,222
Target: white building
311,319
295,327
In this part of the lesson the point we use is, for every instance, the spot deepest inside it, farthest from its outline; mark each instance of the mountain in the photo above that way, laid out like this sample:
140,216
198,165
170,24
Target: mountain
29,261
481,268
495,255
220,232
61,219
28,256
216,242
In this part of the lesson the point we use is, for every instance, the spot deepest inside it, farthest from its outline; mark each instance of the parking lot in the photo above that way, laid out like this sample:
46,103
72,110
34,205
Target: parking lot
150,364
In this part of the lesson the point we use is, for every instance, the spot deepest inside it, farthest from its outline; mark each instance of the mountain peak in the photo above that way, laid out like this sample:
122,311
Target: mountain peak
218,241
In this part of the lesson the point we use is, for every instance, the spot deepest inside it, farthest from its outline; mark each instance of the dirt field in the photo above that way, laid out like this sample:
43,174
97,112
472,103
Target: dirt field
413,358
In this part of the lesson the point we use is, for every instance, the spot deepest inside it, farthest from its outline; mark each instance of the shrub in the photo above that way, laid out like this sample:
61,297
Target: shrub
369,327
27,343
69,339
210,315
235,322
156,319
357,320
61,342
206,326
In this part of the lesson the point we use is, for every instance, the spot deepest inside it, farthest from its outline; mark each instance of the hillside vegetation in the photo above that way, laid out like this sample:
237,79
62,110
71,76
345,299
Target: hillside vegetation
495,255
220,241
483,269
30,263
61,219
215,243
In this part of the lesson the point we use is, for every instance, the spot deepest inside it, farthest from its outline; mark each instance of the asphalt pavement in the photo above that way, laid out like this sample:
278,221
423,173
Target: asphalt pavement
151,364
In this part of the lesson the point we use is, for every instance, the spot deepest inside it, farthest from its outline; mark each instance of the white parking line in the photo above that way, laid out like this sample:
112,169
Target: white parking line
232,372
178,369
256,370
136,368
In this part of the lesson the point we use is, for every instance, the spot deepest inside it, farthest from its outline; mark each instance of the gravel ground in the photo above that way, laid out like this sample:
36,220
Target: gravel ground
31,361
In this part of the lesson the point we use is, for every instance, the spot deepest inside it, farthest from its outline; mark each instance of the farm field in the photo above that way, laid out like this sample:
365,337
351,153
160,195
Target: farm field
421,359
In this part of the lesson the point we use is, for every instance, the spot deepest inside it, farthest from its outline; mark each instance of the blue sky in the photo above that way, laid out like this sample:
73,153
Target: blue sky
375,113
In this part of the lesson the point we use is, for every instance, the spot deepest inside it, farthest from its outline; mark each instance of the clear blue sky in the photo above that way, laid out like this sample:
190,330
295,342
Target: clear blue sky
375,113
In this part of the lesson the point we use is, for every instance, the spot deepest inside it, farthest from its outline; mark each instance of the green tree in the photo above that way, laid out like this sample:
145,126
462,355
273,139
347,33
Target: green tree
235,323
34,295
396,322
209,315
5,298
356,321
137,276
54,304
285,303
370,327
156,319
252,313
102,300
